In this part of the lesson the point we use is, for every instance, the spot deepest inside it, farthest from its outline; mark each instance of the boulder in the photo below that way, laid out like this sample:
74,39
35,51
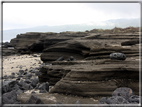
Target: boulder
34,82
123,92
9,97
25,86
34,100
9,85
44,86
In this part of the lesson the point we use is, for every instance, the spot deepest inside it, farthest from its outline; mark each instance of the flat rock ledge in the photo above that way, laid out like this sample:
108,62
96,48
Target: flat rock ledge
91,78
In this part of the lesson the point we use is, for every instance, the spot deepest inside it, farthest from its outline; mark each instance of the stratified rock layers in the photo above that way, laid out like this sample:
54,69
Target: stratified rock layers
98,78
93,73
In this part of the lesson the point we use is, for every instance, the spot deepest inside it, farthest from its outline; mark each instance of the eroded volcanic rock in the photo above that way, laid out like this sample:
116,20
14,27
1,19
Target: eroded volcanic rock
92,78
93,73
37,41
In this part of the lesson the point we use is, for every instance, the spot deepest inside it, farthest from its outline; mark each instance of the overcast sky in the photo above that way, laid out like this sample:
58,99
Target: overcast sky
26,15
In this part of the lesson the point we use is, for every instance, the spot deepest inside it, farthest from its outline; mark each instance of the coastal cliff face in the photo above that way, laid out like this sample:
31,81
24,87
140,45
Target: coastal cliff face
92,73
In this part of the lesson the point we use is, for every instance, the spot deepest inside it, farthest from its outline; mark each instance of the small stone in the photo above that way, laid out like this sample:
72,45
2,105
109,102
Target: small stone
103,100
117,100
12,73
18,78
21,71
27,81
37,73
26,69
25,73
34,55
37,86
33,92
134,99
71,58
42,91
60,59
28,76
77,102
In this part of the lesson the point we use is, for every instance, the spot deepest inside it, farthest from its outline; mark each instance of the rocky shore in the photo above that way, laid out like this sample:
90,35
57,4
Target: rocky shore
72,68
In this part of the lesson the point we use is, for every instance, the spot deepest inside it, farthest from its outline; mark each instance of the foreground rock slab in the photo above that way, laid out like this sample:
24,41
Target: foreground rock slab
92,78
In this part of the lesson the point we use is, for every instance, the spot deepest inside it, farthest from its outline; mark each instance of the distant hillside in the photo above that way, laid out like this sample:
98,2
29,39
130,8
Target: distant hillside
109,24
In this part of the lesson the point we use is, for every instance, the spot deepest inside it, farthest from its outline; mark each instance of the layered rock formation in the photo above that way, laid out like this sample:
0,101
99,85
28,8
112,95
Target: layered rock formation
92,78
93,73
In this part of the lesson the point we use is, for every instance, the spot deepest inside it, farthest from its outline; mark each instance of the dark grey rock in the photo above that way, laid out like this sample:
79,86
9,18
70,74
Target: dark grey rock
12,73
33,71
25,86
28,76
9,97
21,71
71,58
30,70
44,86
8,85
34,100
25,73
42,91
18,78
26,69
118,56
77,102
117,100
18,73
34,55
11,76
37,86
19,91
5,77
33,92
37,73
123,92
34,82
60,59
27,81
103,100
134,99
